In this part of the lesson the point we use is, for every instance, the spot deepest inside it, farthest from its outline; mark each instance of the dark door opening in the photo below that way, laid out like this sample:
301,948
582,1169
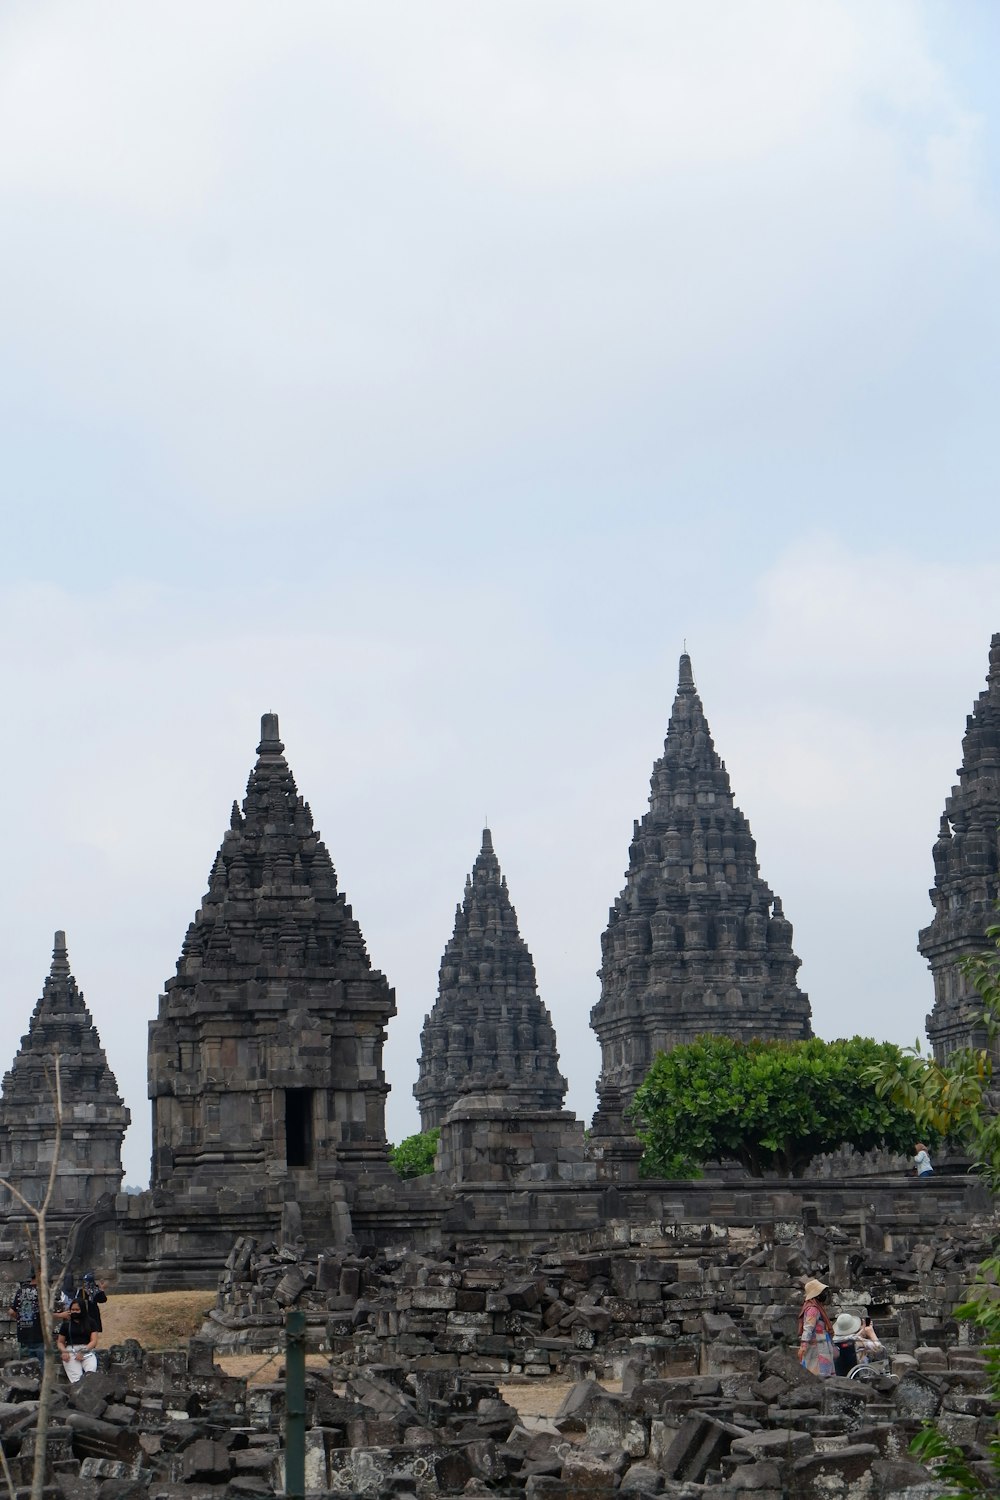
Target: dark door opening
298,1127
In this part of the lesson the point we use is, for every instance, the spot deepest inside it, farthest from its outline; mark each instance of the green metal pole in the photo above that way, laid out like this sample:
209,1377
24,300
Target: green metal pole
295,1405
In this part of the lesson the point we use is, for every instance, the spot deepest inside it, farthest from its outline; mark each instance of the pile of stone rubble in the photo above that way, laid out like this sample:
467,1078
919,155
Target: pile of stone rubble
692,1325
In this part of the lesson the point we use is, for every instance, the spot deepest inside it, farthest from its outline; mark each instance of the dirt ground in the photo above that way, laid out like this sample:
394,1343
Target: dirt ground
162,1320
166,1320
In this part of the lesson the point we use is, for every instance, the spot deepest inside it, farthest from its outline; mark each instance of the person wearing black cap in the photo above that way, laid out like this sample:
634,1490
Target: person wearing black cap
90,1297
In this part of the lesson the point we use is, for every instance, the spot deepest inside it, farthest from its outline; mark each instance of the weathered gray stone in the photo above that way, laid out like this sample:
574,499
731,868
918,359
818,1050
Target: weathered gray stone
839,1472
94,1117
487,1026
696,942
699,1446
642,1479
918,1395
265,1060
966,873
782,1443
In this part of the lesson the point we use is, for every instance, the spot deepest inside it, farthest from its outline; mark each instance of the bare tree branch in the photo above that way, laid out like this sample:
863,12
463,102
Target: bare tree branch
46,1294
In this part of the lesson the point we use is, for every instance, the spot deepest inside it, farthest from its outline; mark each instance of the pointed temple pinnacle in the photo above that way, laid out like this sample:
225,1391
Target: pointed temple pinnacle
60,957
487,842
270,740
685,677
994,672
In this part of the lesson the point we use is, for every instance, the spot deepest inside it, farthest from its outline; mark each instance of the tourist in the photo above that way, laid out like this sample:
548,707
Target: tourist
91,1294
815,1331
77,1343
26,1311
845,1342
922,1161
869,1344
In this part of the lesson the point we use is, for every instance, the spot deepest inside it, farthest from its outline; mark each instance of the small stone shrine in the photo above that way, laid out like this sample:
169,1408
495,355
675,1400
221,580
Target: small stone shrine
487,1025
966,875
696,943
94,1116
265,1060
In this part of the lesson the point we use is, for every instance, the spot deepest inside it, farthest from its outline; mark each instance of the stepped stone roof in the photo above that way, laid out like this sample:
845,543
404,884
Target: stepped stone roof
696,943
966,874
487,1025
94,1116
266,1054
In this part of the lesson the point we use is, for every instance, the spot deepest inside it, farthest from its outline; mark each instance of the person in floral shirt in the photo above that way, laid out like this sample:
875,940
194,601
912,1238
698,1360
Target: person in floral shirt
815,1331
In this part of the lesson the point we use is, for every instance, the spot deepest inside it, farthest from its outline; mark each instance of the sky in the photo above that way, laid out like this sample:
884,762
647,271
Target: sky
429,375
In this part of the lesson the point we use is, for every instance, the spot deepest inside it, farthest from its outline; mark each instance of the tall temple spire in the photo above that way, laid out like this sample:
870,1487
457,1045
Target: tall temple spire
696,943
95,1118
966,875
487,1025
265,1060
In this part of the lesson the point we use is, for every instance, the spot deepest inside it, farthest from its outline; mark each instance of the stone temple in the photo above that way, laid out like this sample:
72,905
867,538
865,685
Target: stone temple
265,1060
266,1054
696,943
94,1116
966,875
487,1025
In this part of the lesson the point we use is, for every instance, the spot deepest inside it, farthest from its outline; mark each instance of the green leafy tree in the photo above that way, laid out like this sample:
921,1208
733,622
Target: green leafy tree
414,1157
772,1106
953,1098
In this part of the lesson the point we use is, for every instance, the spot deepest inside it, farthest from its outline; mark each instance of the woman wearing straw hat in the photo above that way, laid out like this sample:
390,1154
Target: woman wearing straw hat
815,1331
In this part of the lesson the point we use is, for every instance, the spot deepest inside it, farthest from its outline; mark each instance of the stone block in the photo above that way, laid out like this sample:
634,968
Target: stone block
699,1445
453,1470
918,1395
781,1444
838,1472
205,1459
434,1298
586,1473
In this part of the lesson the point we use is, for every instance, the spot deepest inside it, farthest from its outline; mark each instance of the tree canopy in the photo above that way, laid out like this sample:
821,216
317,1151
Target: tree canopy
414,1157
772,1106
954,1098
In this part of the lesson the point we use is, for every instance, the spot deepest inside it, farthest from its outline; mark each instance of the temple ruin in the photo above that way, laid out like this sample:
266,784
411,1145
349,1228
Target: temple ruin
266,1055
696,943
265,1060
966,876
487,1025
95,1117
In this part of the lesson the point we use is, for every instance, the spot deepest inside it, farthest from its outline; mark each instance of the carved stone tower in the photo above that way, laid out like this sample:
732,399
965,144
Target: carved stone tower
94,1117
265,1061
487,1025
966,875
696,943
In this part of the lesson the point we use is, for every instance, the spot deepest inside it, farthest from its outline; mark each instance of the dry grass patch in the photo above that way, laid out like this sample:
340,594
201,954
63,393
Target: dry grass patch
542,1398
159,1320
166,1320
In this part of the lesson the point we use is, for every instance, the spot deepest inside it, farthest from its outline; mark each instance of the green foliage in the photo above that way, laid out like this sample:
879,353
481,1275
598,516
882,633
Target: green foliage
952,1097
946,1457
772,1106
414,1157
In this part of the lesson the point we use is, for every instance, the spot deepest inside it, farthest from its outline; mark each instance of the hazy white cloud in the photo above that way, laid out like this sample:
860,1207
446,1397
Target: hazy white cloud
313,254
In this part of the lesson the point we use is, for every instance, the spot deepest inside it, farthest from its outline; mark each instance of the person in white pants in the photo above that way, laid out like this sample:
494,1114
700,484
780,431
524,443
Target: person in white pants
77,1344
